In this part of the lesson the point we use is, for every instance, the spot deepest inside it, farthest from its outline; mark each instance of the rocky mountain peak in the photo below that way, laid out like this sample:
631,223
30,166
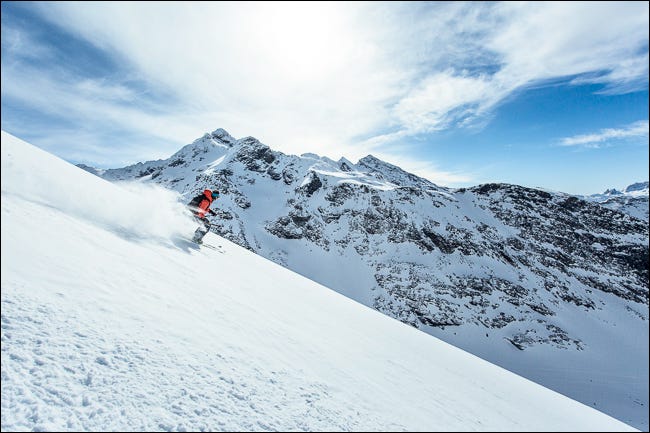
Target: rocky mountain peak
221,134
394,174
612,191
637,187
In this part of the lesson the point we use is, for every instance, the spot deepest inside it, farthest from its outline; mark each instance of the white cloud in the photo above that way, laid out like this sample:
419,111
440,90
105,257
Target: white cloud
325,77
290,73
443,98
529,42
635,130
541,40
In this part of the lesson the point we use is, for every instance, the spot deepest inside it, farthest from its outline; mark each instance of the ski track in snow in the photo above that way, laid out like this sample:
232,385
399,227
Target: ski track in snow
88,383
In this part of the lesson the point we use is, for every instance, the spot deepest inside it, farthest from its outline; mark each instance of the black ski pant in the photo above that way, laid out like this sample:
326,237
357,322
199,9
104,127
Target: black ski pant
203,229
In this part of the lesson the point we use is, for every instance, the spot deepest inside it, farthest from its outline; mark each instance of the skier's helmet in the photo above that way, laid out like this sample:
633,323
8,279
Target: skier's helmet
215,194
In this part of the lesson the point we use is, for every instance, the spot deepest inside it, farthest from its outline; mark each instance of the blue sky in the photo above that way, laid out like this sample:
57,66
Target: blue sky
542,94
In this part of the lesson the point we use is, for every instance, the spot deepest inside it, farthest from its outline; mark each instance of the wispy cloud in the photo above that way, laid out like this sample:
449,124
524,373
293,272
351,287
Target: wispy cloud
518,44
443,99
541,40
605,136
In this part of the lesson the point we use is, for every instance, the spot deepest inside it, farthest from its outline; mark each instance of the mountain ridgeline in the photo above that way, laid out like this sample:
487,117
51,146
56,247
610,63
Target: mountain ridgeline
493,255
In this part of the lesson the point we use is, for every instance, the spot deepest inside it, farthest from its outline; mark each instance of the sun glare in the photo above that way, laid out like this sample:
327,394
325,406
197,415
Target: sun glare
300,41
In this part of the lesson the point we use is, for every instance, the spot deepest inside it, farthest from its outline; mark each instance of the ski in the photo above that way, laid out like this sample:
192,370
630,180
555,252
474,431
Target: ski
218,248
197,245
212,247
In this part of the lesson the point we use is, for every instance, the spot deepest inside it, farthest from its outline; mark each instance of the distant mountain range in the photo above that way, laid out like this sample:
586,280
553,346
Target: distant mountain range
633,200
499,270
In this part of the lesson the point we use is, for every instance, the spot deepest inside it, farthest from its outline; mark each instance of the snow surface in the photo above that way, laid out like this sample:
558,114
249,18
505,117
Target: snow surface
111,320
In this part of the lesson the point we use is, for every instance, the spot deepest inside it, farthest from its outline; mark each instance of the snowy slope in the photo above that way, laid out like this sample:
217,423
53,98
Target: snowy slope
111,321
538,282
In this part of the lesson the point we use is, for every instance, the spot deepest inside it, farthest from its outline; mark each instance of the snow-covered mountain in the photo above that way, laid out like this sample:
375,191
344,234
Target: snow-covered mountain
538,282
111,321
633,200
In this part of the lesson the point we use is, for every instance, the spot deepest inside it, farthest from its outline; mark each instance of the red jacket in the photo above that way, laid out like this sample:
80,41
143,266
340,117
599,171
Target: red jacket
203,206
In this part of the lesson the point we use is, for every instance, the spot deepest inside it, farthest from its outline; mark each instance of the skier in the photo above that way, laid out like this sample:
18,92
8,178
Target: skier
199,206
